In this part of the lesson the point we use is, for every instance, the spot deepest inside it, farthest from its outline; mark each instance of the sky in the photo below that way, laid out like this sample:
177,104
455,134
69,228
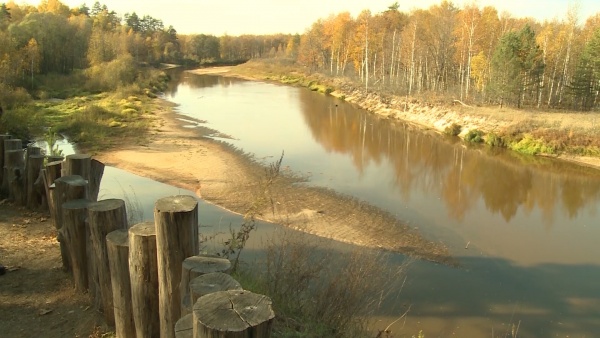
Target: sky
236,17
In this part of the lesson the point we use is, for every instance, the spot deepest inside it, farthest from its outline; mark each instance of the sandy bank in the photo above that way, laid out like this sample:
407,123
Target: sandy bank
185,158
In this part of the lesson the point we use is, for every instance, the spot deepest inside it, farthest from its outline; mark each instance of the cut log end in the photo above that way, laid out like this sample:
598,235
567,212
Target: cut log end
180,203
234,311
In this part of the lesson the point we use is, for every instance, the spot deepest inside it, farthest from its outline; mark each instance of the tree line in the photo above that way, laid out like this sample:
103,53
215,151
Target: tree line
53,38
471,53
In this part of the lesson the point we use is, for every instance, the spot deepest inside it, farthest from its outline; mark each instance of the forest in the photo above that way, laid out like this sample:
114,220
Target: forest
473,54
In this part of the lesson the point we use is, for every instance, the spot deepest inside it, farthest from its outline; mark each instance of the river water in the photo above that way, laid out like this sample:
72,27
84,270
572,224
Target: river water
524,229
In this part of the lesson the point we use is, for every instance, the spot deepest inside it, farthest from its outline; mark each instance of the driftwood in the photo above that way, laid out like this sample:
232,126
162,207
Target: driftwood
143,273
118,258
176,220
233,314
196,266
104,217
73,233
461,103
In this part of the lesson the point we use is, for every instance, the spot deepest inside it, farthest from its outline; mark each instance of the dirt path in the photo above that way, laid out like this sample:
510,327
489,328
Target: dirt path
184,158
37,298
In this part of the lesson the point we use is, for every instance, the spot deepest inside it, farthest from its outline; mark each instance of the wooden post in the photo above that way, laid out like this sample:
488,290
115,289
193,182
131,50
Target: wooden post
51,173
73,232
31,151
118,260
104,217
176,220
184,328
34,165
209,283
195,266
143,273
66,188
55,158
2,138
96,173
8,144
14,165
233,314
78,164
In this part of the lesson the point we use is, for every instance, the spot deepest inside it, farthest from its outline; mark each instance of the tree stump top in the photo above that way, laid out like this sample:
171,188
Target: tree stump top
179,203
118,237
206,264
76,204
233,311
106,205
51,163
213,282
36,156
78,156
184,327
143,229
74,180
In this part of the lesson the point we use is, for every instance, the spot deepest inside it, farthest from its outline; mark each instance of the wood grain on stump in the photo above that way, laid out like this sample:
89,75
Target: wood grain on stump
233,314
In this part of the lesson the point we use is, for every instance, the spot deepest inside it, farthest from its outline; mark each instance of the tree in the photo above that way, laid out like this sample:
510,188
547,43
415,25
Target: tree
4,16
516,66
585,85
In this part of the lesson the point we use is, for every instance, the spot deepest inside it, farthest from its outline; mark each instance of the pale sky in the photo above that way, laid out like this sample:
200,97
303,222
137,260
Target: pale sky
236,17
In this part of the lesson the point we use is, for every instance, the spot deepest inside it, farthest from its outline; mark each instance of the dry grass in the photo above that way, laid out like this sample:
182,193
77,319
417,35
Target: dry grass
320,292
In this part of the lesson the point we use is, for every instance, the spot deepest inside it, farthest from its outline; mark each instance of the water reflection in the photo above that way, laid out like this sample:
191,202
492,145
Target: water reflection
461,175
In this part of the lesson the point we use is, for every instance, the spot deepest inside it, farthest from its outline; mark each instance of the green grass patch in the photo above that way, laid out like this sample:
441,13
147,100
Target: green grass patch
531,146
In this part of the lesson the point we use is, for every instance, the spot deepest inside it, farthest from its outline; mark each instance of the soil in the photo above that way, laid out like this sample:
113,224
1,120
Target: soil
37,298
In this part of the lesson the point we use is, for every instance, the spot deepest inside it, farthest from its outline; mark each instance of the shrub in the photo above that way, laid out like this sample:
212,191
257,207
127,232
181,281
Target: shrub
111,75
494,140
474,136
22,122
453,129
13,97
317,292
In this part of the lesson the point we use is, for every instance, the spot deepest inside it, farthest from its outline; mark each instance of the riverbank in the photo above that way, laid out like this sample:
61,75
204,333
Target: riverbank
570,136
187,158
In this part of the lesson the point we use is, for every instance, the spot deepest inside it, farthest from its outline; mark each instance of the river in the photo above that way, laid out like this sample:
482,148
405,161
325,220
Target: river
524,229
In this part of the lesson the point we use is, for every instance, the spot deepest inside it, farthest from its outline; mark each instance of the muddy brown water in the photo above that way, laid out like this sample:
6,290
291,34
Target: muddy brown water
524,229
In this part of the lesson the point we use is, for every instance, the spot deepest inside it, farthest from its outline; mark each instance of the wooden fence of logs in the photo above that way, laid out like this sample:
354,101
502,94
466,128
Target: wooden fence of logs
147,279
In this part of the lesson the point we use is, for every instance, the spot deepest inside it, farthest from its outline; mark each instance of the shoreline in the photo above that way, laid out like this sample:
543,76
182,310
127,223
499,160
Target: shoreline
225,177
437,118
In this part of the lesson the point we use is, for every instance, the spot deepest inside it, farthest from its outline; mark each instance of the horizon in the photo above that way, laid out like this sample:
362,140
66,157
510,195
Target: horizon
235,17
